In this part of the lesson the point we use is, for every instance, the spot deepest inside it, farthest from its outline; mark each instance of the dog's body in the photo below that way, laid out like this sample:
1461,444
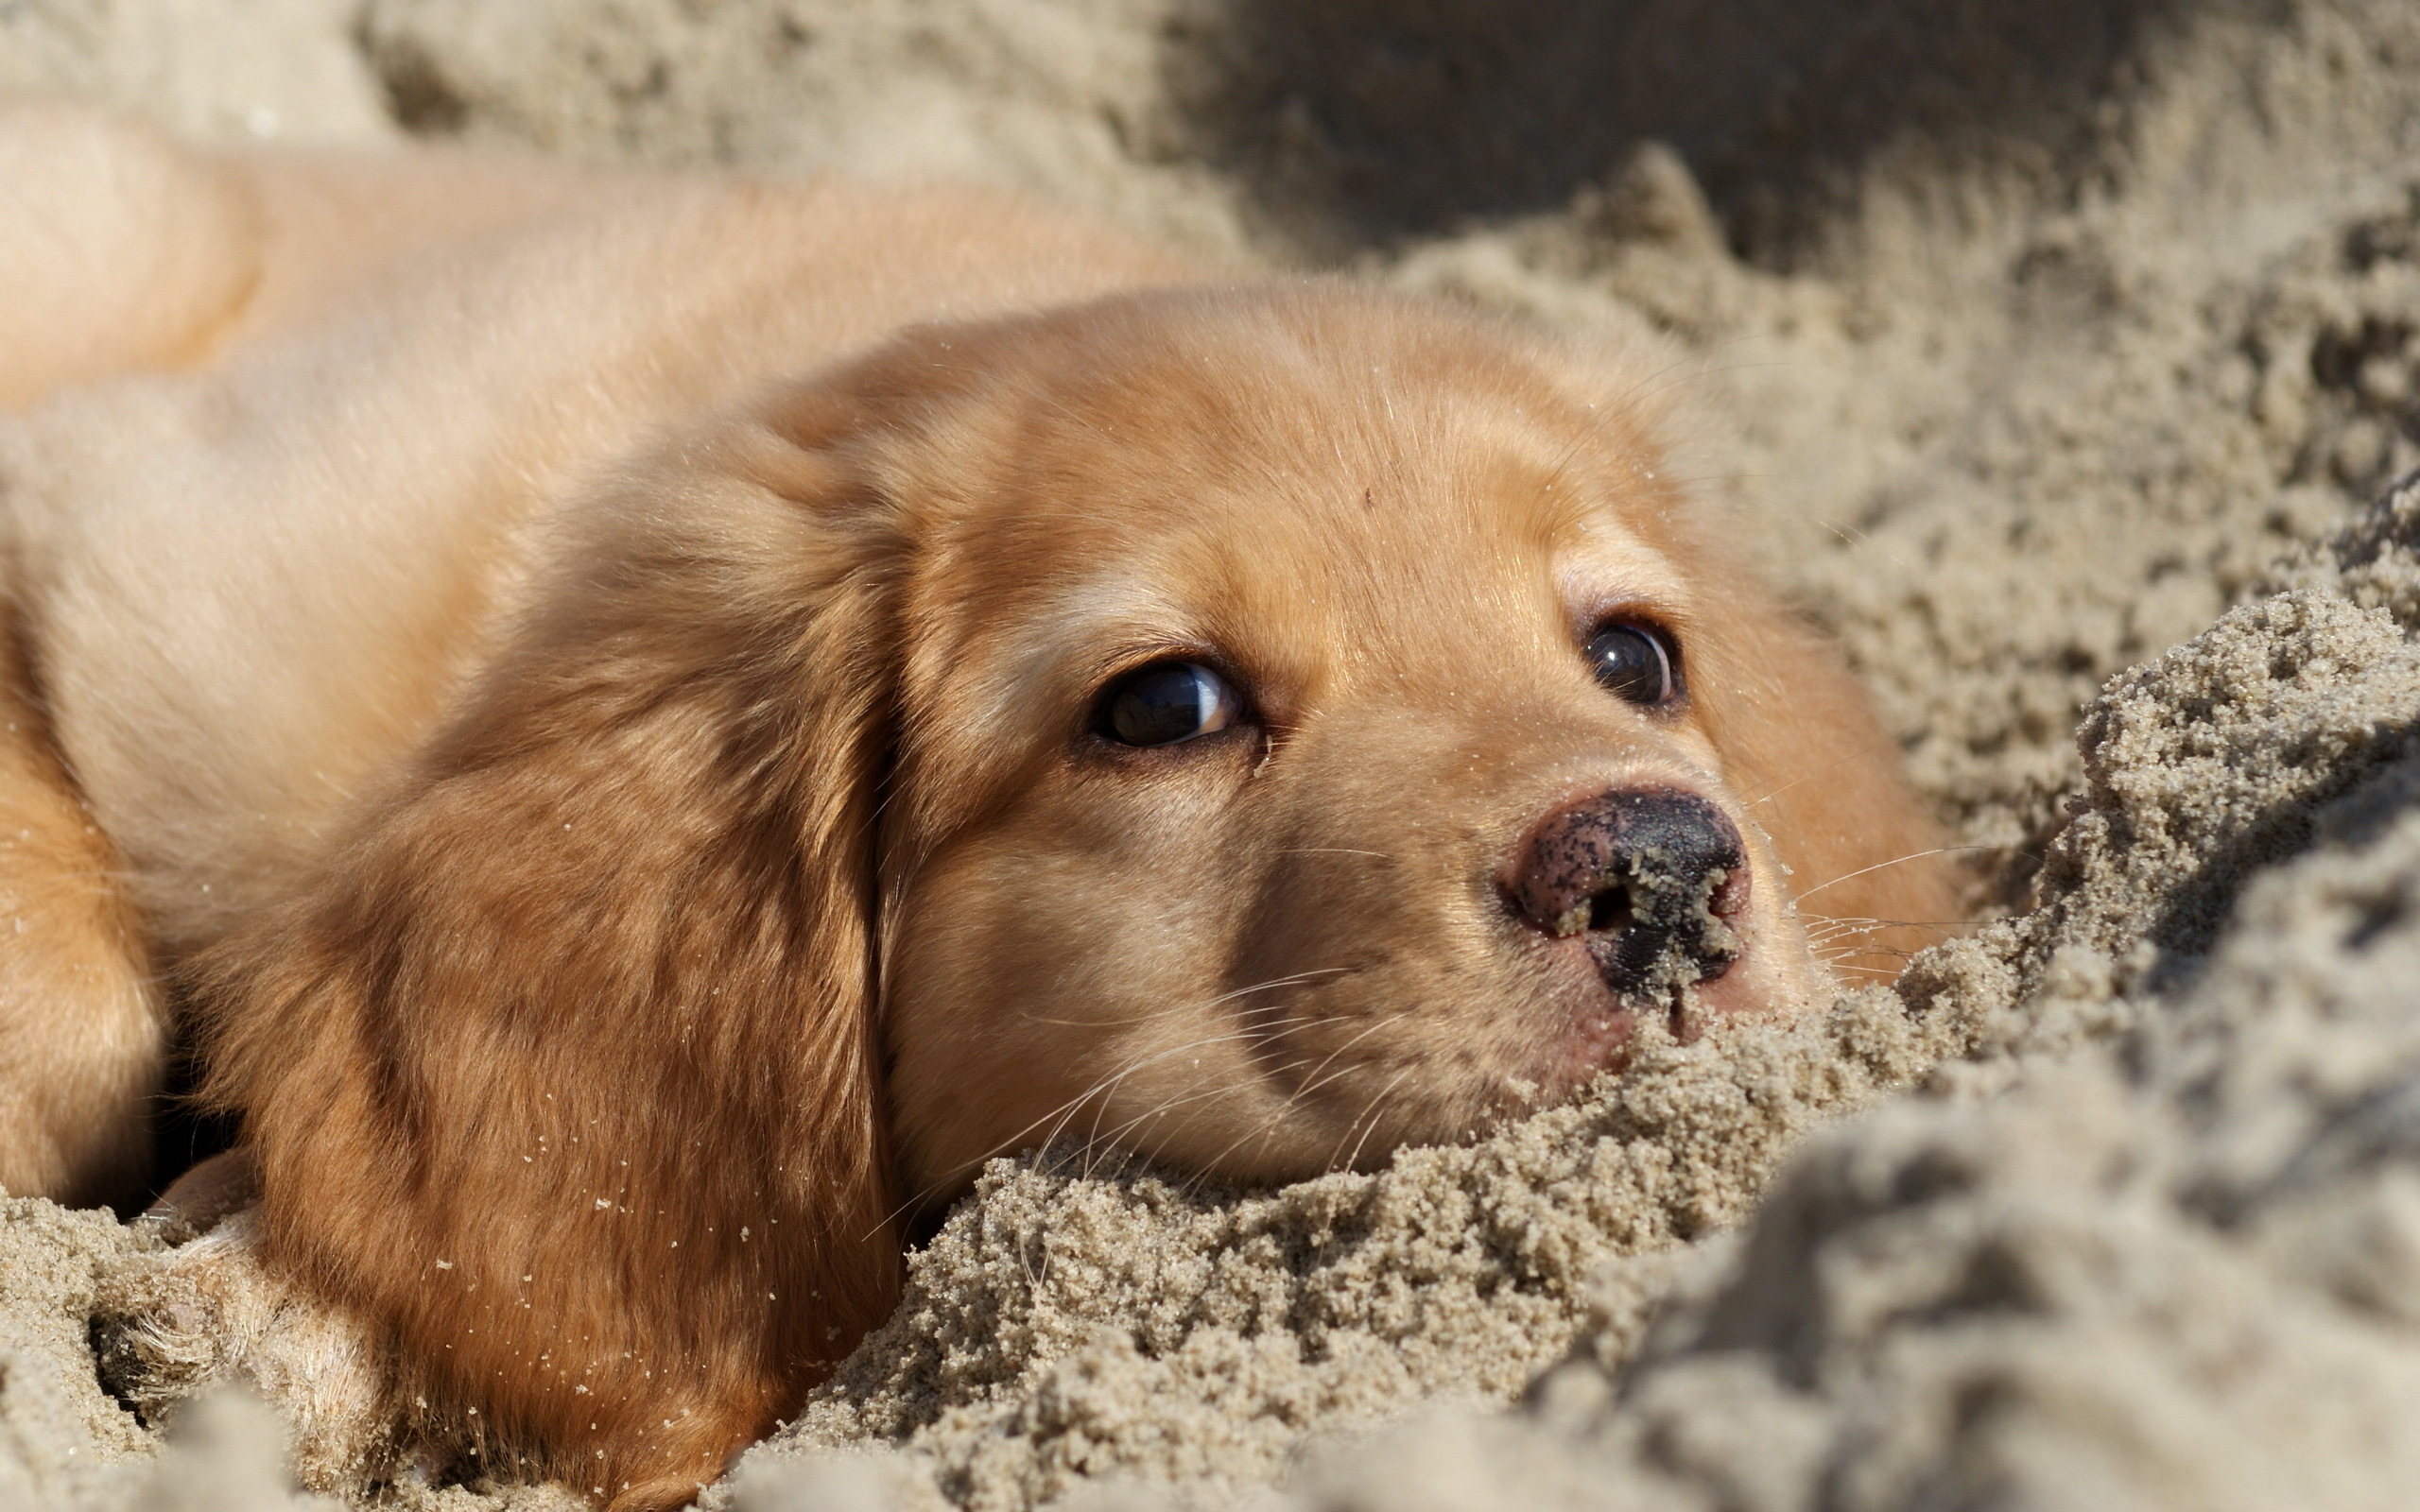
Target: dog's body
633,763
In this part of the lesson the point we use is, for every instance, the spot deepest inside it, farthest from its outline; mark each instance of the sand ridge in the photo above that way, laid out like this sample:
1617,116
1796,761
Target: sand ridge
2057,389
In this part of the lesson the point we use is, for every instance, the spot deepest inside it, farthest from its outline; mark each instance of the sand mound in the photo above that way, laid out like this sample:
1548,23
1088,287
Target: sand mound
2036,337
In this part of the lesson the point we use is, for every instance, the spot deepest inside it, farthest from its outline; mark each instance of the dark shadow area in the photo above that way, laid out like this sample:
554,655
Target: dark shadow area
2370,783
183,1135
418,97
1367,121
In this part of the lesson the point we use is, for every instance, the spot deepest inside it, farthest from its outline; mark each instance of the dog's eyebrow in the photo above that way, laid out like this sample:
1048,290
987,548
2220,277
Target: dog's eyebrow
1078,628
1601,564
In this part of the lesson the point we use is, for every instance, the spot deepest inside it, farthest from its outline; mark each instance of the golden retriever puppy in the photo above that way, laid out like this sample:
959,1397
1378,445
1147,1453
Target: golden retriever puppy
646,727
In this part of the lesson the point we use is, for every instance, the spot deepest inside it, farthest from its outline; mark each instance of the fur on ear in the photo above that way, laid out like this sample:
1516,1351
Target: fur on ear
563,1072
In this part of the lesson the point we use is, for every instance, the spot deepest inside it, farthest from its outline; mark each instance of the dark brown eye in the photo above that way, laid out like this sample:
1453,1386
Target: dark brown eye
1167,702
1636,662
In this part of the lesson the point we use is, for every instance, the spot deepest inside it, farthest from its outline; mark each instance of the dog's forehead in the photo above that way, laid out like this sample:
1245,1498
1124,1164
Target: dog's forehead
1382,568
1265,489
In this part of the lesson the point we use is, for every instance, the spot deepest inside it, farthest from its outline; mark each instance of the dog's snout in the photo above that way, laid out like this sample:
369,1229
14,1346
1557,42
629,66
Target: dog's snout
1654,878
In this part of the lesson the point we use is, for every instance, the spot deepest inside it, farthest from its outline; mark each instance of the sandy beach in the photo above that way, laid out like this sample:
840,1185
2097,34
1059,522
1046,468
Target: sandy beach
2062,358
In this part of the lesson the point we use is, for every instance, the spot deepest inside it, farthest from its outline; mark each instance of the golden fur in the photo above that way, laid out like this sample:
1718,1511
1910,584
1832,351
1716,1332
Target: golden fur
580,686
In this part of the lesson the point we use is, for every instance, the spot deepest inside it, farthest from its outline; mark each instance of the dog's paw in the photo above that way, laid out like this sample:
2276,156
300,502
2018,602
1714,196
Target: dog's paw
207,1311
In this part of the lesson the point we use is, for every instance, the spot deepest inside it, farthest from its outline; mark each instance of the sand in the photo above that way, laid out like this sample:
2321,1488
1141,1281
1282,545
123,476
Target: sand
2052,354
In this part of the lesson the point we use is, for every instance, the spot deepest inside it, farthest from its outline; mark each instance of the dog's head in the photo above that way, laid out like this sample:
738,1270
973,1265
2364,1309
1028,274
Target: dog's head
1257,728
1323,723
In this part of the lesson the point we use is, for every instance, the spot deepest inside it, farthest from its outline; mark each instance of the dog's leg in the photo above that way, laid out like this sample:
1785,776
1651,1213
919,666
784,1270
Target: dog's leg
82,1040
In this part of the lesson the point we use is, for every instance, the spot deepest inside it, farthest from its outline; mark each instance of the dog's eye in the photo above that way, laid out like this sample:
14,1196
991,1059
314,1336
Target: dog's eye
1166,703
1636,662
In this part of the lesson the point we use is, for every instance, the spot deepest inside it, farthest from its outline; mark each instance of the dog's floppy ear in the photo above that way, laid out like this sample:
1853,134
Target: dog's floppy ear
563,1072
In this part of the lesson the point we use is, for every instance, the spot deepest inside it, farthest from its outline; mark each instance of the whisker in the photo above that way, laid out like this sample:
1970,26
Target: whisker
1059,1118
1188,1006
1855,536
1866,939
1311,1084
1894,861
1293,1028
1067,1110
1317,1081
1367,1108
1076,1105
1295,980
1374,1114
1222,1090
1844,953
1851,938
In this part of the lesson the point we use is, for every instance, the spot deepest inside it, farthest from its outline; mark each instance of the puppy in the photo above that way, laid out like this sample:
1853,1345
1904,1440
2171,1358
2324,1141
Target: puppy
646,727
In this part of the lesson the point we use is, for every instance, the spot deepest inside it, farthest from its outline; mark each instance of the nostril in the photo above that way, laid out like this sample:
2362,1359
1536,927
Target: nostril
1610,909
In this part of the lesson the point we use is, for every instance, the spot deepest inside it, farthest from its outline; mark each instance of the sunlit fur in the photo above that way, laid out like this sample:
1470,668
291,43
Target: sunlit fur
590,709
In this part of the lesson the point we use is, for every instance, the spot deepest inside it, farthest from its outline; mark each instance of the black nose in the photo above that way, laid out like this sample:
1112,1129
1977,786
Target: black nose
1653,877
